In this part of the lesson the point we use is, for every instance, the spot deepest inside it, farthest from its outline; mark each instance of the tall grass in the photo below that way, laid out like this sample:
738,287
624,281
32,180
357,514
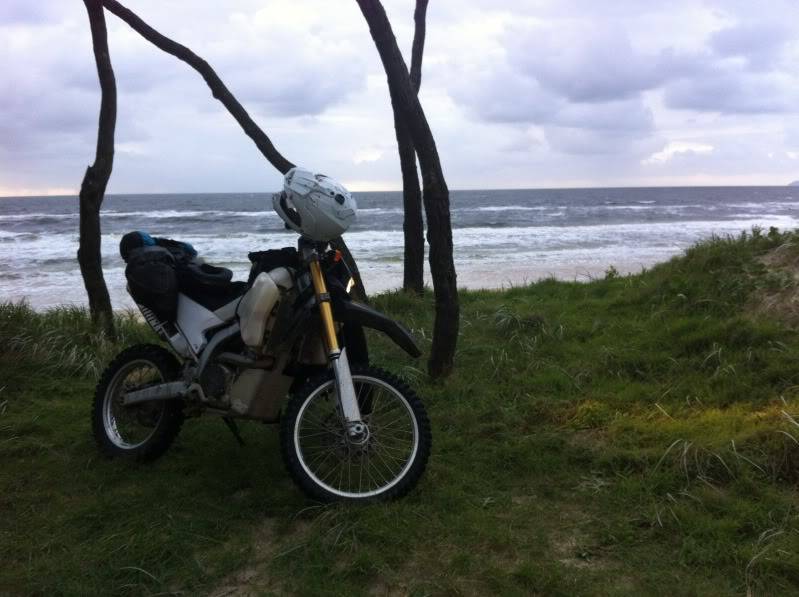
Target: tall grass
63,340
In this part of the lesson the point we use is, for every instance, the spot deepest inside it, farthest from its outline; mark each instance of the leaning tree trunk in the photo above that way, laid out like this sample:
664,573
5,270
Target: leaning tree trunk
412,225
436,194
92,190
220,91
218,88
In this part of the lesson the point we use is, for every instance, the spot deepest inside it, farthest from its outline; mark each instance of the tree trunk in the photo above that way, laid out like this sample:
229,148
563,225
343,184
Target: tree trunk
436,194
412,225
220,91
95,180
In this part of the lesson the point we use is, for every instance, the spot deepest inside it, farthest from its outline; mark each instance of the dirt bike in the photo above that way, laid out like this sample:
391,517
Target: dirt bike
287,346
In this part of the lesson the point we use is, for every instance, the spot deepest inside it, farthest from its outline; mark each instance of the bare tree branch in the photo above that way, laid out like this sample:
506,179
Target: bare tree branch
95,180
417,51
218,88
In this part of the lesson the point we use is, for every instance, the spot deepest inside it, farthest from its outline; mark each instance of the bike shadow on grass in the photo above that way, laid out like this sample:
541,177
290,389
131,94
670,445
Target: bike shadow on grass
207,465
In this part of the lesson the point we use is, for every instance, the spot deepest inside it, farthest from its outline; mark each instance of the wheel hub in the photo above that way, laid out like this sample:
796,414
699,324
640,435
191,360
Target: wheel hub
358,434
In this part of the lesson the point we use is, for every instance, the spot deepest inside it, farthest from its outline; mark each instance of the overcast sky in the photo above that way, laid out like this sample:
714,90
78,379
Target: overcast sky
519,93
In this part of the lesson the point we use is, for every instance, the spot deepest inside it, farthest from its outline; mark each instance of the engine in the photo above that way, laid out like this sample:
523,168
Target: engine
215,382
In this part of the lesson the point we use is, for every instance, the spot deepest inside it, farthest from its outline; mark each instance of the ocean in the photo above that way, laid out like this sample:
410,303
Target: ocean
502,237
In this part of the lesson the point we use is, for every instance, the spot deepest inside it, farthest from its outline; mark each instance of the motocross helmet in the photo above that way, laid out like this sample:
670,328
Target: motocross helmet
314,205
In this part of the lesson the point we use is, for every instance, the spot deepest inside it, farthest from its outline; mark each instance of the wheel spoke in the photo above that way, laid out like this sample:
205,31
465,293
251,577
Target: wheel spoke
401,437
382,446
397,425
377,471
360,474
341,475
326,432
388,468
319,461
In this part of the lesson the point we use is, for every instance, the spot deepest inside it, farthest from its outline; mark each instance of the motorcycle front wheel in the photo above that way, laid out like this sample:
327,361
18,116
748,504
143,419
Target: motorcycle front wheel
385,464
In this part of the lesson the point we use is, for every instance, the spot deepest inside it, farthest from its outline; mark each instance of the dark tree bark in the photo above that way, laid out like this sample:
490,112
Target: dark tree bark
417,50
220,91
92,189
436,193
413,225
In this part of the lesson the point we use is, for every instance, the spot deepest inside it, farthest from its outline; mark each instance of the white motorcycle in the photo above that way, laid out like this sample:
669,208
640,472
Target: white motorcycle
286,347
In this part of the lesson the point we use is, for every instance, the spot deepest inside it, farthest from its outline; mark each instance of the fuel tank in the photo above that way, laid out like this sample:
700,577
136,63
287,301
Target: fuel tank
258,304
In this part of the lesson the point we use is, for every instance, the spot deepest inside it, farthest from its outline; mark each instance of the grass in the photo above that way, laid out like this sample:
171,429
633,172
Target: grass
634,435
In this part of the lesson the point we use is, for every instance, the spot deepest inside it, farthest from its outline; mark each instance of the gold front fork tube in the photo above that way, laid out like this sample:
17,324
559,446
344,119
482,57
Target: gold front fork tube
323,299
348,402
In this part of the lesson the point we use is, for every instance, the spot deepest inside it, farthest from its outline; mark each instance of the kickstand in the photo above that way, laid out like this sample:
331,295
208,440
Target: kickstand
234,429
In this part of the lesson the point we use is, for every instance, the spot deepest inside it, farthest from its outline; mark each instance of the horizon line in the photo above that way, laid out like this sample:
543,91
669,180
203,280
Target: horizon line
566,188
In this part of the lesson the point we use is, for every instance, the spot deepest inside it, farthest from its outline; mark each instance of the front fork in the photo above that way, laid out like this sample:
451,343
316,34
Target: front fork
337,357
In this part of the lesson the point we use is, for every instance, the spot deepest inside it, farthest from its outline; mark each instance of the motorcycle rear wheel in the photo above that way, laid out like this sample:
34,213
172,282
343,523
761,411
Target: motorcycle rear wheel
142,431
327,466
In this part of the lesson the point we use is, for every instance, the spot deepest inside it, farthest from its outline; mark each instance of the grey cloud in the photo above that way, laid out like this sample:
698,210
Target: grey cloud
577,88
50,89
520,142
50,92
599,142
584,66
749,152
734,93
16,12
503,95
759,42
551,76
135,72
625,117
39,110
302,93
26,125
791,135
617,127
569,10
571,127
289,72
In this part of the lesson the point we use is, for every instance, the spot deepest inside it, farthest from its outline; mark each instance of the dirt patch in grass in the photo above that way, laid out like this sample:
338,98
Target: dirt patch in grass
383,589
590,440
780,298
571,544
254,578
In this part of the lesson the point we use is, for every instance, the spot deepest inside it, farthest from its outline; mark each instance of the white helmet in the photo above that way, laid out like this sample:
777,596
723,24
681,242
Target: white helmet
314,205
